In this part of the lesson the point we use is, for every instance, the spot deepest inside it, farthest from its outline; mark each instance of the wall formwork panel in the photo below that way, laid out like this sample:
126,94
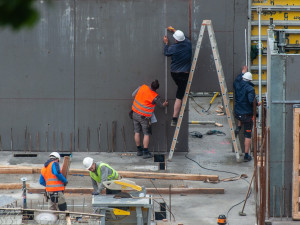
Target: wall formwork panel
77,68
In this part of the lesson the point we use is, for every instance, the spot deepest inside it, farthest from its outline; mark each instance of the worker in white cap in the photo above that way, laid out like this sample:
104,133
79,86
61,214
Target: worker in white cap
244,97
99,173
54,182
181,55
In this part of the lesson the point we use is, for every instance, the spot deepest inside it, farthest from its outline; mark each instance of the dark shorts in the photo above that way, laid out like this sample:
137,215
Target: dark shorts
181,80
141,124
247,121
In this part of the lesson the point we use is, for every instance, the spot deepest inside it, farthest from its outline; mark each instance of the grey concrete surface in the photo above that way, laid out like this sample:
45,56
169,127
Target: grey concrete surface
211,152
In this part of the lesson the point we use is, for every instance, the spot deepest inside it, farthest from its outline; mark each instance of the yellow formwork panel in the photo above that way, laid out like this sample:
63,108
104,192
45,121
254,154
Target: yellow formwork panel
277,15
263,60
254,30
275,2
263,89
255,75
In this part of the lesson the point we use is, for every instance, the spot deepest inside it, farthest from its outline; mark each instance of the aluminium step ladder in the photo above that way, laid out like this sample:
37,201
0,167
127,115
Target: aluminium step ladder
223,87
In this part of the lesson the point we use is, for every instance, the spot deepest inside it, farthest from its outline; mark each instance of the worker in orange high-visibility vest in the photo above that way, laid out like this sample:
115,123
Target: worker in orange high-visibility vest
54,182
142,110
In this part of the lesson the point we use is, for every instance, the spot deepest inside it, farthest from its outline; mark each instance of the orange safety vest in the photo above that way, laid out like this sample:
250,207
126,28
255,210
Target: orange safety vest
52,183
142,103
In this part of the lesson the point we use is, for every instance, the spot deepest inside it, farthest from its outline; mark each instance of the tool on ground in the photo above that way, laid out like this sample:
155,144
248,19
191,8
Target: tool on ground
223,87
196,134
222,220
217,132
212,100
247,196
206,122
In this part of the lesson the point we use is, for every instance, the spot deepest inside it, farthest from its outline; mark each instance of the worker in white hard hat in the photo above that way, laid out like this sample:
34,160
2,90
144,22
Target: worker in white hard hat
54,182
99,173
181,55
244,97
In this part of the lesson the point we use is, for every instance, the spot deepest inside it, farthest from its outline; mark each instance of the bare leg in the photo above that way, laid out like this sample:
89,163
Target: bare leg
146,141
137,139
177,106
247,144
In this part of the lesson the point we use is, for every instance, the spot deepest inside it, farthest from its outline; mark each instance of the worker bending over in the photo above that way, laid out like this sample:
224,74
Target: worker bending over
99,172
145,99
54,182
181,55
243,107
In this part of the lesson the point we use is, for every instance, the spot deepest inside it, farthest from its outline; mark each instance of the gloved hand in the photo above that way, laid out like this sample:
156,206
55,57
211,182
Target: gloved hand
95,193
65,184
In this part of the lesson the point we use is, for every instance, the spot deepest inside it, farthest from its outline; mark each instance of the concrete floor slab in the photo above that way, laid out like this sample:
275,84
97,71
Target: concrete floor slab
211,154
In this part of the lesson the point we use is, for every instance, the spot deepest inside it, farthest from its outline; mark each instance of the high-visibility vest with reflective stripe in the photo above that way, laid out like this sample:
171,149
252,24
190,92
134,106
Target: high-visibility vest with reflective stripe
142,103
52,182
113,176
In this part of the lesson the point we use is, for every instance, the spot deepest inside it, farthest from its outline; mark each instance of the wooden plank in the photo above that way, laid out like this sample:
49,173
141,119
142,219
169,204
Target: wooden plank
296,162
66,166
10,186
125,174
185,191
168,176
149,190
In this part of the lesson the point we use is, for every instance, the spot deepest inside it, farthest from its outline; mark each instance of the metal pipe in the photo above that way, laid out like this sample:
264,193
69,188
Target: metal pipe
259,61
166,77
246,47
24,179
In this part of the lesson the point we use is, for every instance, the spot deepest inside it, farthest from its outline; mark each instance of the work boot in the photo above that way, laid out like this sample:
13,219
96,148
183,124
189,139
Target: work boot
147,155
247,158
237,130
139,151
174,122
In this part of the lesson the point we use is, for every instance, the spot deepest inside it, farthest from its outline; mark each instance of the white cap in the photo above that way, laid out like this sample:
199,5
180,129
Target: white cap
179,35
247,76
87,162
55,155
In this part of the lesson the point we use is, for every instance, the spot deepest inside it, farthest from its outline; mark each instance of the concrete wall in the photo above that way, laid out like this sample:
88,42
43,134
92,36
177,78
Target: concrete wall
77,68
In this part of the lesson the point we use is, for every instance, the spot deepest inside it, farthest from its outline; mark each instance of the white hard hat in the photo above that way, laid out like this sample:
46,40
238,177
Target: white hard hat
55,155
247,76
87,162
179,35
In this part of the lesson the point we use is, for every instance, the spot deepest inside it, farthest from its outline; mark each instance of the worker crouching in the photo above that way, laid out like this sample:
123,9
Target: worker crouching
54,182
100,172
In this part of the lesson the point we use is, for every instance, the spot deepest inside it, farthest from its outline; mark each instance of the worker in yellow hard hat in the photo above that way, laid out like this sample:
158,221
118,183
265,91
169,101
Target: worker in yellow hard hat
99,173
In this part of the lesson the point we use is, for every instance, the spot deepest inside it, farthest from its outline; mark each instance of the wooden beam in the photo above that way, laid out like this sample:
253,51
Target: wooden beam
9,186
296,162
66,166
149,190
185,191
125,174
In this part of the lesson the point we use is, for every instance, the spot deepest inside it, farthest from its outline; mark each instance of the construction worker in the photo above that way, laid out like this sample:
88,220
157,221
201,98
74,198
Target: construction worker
99,172
54,182
145,99
243,107
181,55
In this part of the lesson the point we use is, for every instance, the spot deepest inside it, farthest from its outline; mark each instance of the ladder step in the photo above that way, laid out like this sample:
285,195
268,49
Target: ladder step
255,67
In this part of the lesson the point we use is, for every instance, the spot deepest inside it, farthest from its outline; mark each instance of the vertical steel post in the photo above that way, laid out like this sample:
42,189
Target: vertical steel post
24,179
259,62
